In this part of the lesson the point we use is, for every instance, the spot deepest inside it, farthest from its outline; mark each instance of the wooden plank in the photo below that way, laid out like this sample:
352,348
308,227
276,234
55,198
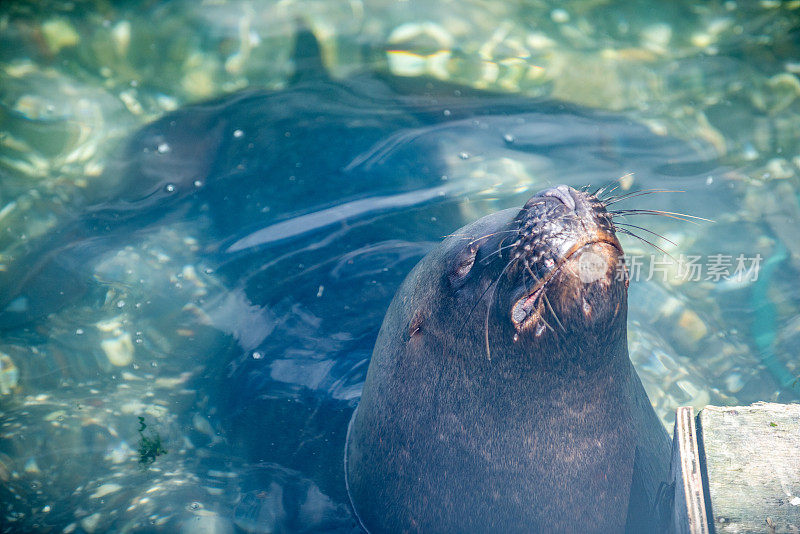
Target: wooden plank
689,511
752,456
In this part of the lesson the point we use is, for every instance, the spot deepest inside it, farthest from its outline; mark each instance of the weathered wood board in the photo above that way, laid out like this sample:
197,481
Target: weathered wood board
752,456
689,510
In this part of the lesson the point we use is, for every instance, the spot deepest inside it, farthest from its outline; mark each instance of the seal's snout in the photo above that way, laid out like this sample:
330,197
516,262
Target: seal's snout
564,193
555,222
570,200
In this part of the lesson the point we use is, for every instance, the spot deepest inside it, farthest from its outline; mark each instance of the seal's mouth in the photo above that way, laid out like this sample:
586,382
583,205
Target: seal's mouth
527,311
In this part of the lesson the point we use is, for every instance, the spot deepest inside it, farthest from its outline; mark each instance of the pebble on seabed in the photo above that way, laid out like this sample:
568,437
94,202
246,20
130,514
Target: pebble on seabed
118,350
58,34
9,374
90,523
104,490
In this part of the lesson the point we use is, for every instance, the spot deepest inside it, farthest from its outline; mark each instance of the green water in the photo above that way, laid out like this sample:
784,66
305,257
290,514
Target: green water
78,77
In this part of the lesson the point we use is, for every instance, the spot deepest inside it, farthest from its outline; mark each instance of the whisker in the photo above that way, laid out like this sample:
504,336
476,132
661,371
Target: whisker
671,214
640,193
662,212
535,278
456,235
478,238
646,230
491,235
541,318
486,327
553,311
481,298
627,232
547,302
537,203
663,215
489,309
618,181
473,308
598,194
500,250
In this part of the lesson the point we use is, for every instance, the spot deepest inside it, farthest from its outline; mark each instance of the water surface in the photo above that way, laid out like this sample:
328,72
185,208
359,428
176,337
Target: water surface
227,287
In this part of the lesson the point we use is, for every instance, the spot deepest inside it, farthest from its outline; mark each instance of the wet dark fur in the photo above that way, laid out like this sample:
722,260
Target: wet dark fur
548,431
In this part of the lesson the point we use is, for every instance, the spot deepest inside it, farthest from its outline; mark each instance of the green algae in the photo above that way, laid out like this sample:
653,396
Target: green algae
150,446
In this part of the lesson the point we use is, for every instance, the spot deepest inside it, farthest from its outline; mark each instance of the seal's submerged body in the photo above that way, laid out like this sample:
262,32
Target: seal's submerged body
500,396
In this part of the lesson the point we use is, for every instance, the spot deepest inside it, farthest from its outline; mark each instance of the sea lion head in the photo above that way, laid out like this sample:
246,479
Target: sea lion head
550,273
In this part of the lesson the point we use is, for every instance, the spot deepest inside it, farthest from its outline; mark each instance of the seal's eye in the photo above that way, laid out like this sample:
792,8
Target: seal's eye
463,263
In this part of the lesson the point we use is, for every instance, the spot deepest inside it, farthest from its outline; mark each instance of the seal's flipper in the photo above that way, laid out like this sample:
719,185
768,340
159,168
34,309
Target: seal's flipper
308,64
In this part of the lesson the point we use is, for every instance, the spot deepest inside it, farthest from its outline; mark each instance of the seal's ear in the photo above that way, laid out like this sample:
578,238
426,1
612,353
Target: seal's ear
462,264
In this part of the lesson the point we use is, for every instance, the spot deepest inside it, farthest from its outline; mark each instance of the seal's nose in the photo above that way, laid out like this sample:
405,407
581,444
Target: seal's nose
562,193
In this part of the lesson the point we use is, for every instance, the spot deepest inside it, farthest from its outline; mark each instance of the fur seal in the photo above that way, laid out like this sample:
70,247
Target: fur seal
500,396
